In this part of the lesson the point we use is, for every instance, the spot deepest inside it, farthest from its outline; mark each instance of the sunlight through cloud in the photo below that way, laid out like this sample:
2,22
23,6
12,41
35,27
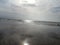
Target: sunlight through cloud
22,2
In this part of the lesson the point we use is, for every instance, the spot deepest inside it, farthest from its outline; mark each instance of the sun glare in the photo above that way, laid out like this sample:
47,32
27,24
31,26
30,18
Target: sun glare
28,21
21,2
27,1
25,42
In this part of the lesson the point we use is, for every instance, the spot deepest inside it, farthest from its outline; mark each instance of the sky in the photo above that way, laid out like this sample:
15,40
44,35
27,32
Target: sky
42,10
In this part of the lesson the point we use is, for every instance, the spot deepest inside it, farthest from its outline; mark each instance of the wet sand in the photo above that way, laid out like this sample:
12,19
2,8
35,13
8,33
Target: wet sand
35,34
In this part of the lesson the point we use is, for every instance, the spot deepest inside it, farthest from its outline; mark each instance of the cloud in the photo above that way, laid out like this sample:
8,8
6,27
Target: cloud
3,1
48,10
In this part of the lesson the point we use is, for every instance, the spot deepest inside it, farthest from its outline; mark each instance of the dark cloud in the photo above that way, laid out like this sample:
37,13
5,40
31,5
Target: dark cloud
3,1
55,10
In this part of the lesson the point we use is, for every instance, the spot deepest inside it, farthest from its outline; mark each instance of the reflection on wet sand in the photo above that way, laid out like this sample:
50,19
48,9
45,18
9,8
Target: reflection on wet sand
18,33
